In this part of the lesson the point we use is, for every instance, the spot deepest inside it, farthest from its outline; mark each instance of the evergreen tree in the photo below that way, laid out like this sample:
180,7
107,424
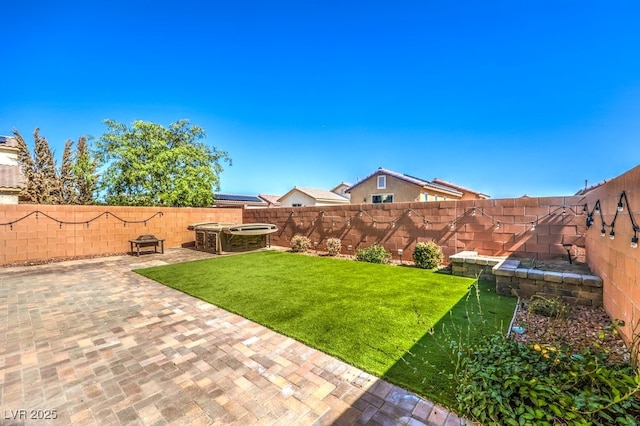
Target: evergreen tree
47,180
84,173
30,191
67,193
74,183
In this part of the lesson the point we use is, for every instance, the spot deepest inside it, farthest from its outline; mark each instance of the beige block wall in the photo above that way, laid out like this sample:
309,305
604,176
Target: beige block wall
41,237
614,260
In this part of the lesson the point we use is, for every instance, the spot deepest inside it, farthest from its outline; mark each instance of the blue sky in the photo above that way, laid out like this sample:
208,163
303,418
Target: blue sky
505,97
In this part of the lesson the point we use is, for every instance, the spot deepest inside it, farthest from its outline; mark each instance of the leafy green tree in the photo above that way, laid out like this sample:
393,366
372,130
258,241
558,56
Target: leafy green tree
148,164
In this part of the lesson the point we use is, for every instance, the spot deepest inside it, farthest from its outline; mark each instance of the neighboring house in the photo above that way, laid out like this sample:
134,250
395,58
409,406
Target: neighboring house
300,197
244,201
467,194
341,190
12,179
387,186
272,200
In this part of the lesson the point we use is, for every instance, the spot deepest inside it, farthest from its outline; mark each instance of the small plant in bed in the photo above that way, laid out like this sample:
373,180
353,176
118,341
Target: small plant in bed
373,254
300,244
506,382
334,245
428,255
548,307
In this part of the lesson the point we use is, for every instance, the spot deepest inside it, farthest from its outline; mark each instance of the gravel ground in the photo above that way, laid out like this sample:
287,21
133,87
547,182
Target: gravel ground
581,328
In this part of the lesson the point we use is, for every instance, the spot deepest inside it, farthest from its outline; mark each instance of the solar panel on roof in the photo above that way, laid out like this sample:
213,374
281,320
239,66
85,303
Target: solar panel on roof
231,197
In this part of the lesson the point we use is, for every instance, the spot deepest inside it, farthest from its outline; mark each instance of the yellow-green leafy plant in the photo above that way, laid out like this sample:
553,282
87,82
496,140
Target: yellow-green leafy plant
428,255
300,244
334,245
373,254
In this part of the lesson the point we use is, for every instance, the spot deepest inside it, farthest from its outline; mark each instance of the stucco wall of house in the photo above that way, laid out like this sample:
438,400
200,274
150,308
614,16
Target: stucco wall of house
9,157
468,196
8,197
297,197
402,191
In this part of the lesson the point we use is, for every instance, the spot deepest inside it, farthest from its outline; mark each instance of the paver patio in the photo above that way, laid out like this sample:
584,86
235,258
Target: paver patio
99,344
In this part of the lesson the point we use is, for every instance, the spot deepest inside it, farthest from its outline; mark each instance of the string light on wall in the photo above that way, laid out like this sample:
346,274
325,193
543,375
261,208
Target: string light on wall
106,214
622,202
473,211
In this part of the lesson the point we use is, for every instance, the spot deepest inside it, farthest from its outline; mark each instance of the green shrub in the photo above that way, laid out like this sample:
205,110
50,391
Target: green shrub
373,254
334,245
552,307
506,382
300,243
428,255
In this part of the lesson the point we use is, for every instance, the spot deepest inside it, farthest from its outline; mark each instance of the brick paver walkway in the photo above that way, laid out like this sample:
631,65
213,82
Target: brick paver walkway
95,343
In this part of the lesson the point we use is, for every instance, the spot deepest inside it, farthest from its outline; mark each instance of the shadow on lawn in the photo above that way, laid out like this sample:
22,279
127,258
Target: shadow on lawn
427,367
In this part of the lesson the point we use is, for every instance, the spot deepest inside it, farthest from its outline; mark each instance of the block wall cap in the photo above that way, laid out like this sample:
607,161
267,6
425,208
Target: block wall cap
571,278
554,277
592,280
464,254
504,272
535,274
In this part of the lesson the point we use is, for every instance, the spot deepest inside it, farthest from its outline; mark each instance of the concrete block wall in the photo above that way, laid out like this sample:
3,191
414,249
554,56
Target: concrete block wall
41,238
499,227
614,260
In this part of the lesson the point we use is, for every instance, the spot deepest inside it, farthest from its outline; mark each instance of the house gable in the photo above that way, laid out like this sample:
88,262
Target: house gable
12,180
298,197
385,185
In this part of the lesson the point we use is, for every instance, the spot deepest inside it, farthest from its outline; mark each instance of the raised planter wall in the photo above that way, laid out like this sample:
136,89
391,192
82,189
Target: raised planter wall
511,279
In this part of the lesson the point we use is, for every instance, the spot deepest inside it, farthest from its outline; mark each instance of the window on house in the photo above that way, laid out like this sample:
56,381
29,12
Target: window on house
425,197
382,182
382,198
435,197
296,205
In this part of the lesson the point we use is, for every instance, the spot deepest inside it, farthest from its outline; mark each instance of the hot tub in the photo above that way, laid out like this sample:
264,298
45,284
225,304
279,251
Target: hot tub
216,237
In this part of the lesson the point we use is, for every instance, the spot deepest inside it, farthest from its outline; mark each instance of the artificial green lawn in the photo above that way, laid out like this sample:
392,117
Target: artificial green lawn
375,317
